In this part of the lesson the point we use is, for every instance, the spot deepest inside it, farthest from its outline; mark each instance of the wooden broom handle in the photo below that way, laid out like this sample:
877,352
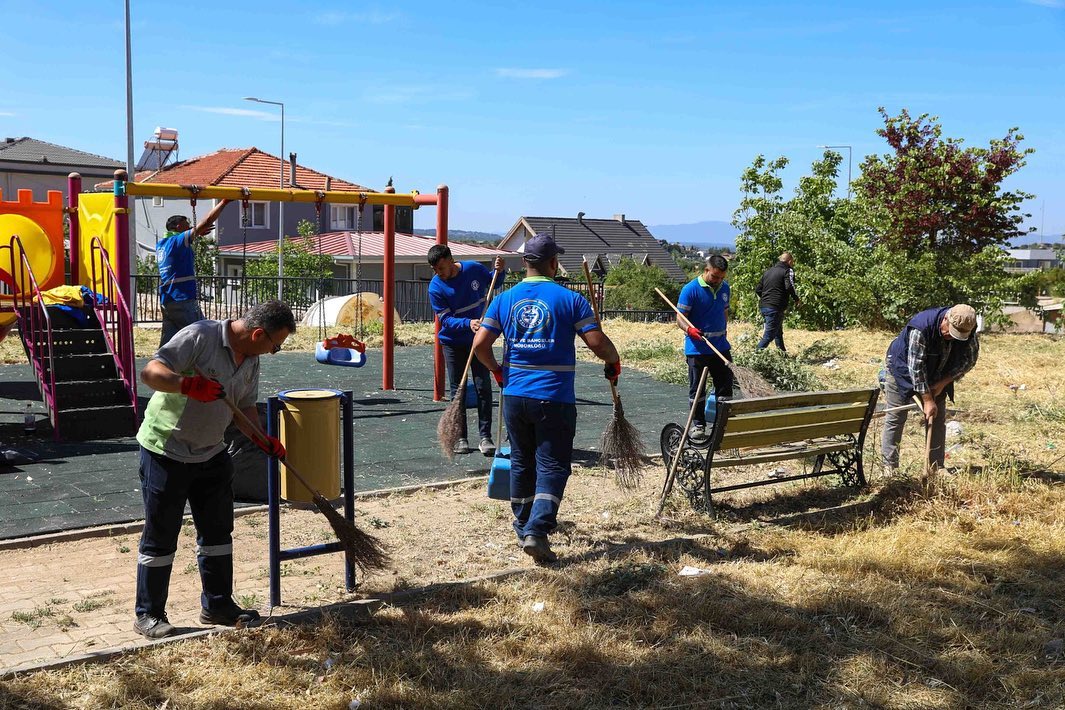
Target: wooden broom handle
259,434
595,311
689,323
469,360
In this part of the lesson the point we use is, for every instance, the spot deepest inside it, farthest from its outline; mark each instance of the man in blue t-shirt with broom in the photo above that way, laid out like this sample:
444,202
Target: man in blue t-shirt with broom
457,295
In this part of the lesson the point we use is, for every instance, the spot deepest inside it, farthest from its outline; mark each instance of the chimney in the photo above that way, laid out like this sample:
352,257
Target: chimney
620,218
328,183
292,169
580,217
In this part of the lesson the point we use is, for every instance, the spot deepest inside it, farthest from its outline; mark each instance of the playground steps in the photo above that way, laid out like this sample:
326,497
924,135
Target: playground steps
91,399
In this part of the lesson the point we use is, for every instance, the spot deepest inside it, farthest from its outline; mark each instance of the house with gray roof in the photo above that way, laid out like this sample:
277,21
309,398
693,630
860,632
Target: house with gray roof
602,242
40,166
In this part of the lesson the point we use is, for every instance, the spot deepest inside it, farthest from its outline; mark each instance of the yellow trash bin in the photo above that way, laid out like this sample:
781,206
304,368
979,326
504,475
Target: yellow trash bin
310,433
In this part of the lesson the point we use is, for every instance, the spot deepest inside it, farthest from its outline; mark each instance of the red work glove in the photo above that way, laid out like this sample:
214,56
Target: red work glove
202,389
272,446
612,370
498,375
694,333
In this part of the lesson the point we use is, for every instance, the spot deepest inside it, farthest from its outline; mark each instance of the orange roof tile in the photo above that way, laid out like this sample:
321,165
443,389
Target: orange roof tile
239,167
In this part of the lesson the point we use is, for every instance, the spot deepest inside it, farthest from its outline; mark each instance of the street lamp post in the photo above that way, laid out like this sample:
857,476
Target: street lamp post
281,204
849,155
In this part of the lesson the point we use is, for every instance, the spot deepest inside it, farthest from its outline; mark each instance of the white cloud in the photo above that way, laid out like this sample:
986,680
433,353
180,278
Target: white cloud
8,114
242,112
1056,4
372,17
511,73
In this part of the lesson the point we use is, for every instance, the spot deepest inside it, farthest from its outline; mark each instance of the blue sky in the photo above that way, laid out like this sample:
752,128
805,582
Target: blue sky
652,109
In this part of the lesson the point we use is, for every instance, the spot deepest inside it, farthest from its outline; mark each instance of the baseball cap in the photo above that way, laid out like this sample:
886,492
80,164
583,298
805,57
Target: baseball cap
541,247
961,319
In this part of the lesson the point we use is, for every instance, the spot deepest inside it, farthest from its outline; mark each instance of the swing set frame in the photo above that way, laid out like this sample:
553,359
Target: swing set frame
124,189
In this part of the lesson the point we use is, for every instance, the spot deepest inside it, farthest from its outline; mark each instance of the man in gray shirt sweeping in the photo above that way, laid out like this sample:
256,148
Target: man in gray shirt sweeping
183,457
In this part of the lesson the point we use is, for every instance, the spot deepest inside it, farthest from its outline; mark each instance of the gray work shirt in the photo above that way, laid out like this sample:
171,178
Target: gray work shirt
185,429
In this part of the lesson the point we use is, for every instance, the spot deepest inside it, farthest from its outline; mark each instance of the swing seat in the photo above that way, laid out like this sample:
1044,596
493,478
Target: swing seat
344,357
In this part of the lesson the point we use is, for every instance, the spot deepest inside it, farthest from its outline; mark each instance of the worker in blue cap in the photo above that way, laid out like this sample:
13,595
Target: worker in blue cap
539,320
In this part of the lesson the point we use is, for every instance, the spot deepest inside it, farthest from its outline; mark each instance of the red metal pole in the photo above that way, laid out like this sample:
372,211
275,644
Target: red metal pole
73,190
438,350
122,234
388,379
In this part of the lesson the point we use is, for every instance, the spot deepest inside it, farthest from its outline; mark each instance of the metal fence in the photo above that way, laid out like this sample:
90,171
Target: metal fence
229,296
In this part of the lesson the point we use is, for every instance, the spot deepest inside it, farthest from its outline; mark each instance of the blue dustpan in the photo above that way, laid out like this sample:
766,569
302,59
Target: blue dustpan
499,475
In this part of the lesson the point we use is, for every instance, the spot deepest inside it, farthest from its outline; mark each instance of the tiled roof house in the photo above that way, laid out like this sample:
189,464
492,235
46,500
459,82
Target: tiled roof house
603,242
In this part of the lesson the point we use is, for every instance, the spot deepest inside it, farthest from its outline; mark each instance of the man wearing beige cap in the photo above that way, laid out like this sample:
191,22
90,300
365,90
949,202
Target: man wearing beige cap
935,349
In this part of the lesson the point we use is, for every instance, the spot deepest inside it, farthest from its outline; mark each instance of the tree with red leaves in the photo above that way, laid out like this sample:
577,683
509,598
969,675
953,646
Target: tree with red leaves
932,194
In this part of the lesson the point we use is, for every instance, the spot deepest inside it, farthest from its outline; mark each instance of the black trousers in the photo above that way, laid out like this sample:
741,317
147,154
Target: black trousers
480,379
721,375
166,485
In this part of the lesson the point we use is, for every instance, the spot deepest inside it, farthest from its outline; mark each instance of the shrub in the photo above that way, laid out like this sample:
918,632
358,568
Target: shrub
630,286
784,373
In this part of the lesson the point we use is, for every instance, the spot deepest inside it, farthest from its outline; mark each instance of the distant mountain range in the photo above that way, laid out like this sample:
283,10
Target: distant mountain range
711,233
1038,239
464,236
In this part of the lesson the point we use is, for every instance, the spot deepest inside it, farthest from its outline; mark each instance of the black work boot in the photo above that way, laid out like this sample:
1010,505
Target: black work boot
539,549
232,615
154,627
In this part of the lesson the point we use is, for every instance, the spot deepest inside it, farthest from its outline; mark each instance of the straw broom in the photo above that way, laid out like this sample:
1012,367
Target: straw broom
449,428
750,382
360,548
620,442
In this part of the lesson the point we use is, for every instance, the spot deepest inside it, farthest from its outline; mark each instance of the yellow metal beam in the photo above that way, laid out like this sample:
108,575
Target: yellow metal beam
210,192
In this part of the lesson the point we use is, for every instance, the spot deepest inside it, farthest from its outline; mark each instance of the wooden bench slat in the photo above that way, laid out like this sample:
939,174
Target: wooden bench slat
800,399
795,417
783,435
761,456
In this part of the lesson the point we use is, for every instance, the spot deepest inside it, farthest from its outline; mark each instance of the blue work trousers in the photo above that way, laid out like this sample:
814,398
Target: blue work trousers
480,378
177,315
541,451
166,485
774,329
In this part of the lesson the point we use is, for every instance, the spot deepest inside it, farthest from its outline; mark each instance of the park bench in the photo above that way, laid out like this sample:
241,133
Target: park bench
746,432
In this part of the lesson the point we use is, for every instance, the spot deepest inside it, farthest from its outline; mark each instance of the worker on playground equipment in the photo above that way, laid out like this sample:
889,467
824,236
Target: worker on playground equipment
935,349
176,257
183,457
457,294
704,302
539,319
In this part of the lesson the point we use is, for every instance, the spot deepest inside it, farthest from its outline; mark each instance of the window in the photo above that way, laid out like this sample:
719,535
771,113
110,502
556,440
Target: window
404,219
342,216
157,202
258,216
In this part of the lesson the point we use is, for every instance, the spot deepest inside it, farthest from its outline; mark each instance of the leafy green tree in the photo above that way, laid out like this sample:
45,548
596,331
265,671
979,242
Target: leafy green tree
932,193
818,228
630,286
304,268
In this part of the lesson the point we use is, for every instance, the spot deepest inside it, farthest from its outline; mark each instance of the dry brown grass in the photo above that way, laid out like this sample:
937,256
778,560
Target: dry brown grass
938,597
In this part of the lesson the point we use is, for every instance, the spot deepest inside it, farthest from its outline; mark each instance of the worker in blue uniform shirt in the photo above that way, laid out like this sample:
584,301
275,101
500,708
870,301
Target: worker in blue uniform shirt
457,295
539,320
704,302
176,256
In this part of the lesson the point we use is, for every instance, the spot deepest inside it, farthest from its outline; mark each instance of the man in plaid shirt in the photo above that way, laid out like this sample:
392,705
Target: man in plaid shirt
935,349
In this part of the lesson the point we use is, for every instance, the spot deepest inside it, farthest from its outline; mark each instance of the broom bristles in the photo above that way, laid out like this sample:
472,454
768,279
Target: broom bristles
449,428
361,549
622,446
751,383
